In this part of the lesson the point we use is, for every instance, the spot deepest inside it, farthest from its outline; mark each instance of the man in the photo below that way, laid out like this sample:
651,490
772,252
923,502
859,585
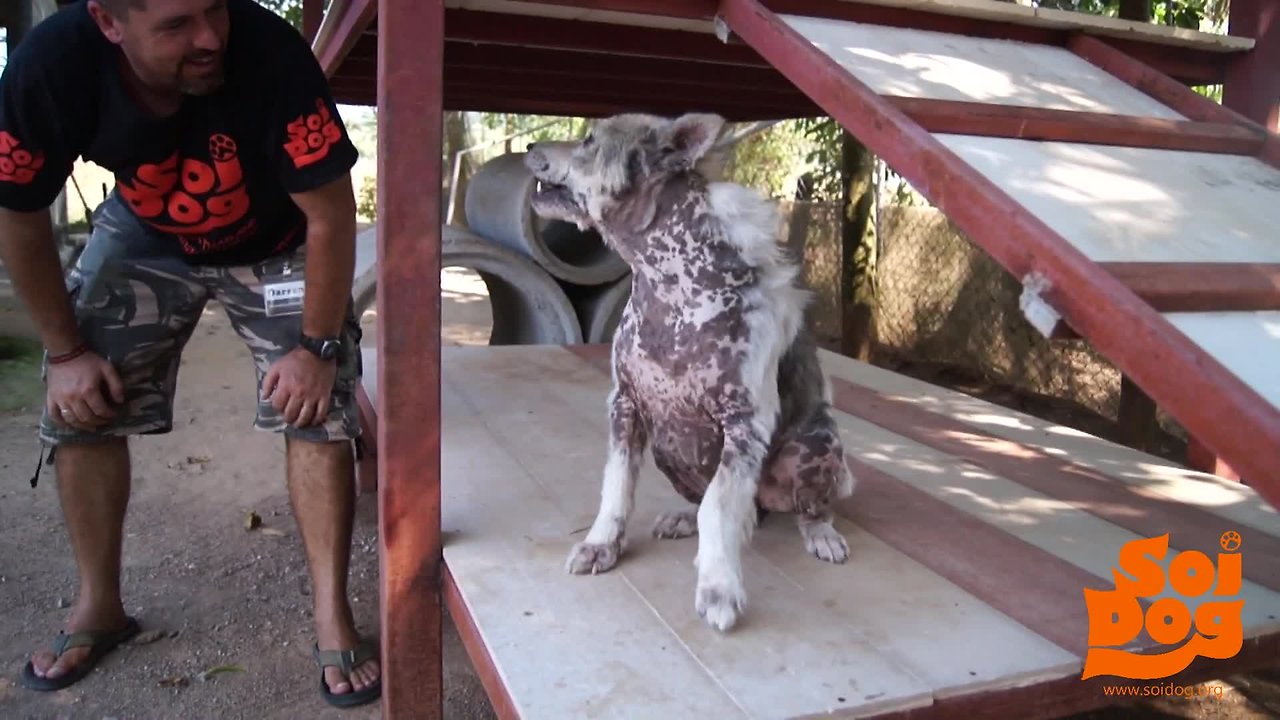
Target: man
233,183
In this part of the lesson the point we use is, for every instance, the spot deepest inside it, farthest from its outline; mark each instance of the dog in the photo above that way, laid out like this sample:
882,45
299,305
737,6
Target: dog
713,370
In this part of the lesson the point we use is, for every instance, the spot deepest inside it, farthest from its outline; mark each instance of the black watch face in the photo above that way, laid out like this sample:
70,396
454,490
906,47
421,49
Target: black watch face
329,349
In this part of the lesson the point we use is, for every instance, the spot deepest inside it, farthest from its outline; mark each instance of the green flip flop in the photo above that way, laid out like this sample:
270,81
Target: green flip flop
346,661
101,642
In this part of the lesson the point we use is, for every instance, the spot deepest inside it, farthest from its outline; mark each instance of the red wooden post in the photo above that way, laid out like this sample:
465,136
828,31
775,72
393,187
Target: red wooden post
1252,85
410,100
312,15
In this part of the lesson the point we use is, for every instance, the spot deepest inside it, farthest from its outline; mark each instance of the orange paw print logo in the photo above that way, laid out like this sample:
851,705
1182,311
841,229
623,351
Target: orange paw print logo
311,137
17,165
1230,541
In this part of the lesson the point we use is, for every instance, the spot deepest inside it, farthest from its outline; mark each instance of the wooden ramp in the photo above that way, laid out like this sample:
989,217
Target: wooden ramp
973,533
1138,214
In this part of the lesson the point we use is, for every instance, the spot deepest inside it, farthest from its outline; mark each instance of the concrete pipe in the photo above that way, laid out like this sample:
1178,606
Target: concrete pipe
528,306
599,307
498,207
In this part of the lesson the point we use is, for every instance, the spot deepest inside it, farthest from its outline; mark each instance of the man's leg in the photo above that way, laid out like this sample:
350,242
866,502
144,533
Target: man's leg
93,487
322,490
137,312
321,463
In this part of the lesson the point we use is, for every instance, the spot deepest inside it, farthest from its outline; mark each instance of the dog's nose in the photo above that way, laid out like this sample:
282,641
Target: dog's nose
531,146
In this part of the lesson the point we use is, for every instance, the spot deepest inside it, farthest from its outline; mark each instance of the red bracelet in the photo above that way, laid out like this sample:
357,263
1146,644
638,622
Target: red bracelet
70,355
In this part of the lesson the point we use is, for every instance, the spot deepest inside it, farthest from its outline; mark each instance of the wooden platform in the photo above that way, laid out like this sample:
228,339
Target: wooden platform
973,533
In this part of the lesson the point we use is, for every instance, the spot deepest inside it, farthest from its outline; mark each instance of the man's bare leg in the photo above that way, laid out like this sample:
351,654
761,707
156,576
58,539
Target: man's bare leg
93,488
322,490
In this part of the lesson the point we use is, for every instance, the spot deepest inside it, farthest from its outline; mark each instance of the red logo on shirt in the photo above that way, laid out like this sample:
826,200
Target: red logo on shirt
191,197
311,137
16,164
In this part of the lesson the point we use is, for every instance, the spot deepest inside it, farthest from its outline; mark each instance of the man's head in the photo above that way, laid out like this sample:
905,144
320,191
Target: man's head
174,46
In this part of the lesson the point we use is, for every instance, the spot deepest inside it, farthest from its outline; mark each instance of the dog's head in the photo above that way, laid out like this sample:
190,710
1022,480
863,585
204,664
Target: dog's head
611,179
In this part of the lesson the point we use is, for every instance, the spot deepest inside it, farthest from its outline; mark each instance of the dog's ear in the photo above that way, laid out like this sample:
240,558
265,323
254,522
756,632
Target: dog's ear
688,138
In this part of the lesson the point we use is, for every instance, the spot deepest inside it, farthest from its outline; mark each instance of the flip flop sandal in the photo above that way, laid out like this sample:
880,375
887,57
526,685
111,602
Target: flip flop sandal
101,642
346,661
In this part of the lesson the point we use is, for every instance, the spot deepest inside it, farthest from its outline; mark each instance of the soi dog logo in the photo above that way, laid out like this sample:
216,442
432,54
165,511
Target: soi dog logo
1213,630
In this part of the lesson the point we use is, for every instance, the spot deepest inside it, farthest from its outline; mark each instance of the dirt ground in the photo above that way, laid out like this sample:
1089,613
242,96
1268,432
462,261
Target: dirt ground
220,596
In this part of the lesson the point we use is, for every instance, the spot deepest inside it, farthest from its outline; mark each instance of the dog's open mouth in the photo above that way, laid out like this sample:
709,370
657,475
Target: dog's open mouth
555,201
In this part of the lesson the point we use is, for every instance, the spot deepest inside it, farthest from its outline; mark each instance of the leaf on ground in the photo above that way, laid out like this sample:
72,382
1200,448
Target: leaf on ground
274,532
198,459
252,521
169,682
207,674
149,637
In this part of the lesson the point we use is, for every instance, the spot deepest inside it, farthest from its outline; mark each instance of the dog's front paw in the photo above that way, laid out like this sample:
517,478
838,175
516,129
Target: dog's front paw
720,603
676,524
592,557
825,542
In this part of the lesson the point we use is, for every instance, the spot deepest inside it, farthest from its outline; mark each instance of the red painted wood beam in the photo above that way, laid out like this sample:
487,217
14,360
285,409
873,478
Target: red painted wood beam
1168,91
482,101
581,35
410,132
1252,85
1033,123
356,17
312,14
535,82
1191,65
1208,399
1201,287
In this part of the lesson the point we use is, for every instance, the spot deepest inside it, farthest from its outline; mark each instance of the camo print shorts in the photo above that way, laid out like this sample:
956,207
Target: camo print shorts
138,308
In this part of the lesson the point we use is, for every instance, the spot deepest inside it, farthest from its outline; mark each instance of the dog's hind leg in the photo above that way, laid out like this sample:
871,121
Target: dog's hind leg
806,475
675,524
607,537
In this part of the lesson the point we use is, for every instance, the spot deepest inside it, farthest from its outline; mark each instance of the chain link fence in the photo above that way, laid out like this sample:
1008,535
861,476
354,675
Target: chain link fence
948,314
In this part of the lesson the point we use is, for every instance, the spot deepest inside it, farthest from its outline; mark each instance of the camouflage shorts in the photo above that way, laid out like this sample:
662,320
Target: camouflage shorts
138,309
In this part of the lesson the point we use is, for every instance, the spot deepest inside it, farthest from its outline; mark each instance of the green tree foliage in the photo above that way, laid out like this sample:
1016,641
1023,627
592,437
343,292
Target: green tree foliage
291,10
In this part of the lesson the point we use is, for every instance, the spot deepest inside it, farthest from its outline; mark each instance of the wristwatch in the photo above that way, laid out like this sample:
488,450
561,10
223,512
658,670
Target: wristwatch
323,348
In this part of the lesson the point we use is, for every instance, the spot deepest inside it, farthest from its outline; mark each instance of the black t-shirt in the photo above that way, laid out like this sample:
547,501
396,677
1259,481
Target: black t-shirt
214,179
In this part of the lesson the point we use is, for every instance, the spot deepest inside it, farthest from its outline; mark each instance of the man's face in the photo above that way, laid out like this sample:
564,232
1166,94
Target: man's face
173,45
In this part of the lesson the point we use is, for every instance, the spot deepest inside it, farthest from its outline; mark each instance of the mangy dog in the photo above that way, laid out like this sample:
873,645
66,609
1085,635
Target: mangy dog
713,370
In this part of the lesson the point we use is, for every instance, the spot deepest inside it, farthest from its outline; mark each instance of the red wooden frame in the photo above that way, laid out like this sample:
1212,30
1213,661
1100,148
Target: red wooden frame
1032,123
1202,287
410,118
1252,85
1229,416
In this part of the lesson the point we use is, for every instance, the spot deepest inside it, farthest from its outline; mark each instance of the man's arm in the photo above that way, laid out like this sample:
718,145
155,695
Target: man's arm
331,255
28,251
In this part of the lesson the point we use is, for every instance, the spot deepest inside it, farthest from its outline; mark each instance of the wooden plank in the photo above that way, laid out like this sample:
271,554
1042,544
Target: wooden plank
1205,397
1034,123
561,646
1083,536
1189,527
1231,501
943,576
1152,82
1202,286
1136,205
410,49
813,645
1248,344
1252,85
930,65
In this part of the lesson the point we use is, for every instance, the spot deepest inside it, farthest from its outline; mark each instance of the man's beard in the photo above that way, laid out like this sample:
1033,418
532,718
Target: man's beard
203,83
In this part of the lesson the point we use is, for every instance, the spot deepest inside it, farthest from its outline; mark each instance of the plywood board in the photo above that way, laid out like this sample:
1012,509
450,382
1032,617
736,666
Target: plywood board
1135,204
943,66
1247,344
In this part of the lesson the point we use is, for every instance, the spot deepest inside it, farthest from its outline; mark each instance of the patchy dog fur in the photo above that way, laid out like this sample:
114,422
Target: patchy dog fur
713,369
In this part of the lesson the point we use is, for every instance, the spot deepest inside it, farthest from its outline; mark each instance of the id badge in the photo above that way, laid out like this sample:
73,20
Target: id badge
282,294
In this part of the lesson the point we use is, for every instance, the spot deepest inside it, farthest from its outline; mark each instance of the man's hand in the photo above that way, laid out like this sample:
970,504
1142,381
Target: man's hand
299,386
74,396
